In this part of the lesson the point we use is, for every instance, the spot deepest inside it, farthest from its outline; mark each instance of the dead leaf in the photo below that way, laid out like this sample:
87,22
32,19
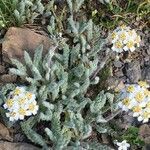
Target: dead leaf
4,133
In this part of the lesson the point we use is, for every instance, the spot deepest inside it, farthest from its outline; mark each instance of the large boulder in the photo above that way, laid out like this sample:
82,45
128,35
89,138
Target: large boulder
16,40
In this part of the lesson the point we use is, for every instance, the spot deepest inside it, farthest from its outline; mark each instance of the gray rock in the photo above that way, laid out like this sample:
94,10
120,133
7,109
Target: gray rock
146,32
146,73
118,64
147,58
112,82
133,71
119,73
148,50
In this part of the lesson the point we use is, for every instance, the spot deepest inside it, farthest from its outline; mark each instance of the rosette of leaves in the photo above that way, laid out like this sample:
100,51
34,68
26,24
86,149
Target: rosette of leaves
60,80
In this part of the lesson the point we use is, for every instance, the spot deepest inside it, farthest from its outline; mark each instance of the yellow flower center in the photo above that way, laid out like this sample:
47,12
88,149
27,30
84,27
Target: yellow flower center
126,102
130,32
137,109
116,90
29,95
142,84
130,44
146,115
123,36
31,107
113,35
9,103
123,26
22,101
130,88
22,112
139,97
12,114
146,92
17,91
118,44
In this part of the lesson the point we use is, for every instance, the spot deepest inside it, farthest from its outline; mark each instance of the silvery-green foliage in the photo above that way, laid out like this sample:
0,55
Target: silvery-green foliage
74,7
32,135
28,10
90,145
3,96
4,89
38,68
76,122
61,80
97,146
58,135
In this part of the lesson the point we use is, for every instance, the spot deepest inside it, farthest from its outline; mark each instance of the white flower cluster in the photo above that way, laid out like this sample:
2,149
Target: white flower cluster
123,145
124,38
136,98
20,103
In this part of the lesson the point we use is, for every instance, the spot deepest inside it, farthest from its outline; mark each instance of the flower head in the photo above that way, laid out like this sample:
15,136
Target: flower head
136,98
20,103
123,145
144,116
124,38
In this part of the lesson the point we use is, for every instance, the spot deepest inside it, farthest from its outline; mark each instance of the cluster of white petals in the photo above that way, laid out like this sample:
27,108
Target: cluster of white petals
136,98
123,145
20,103
124,38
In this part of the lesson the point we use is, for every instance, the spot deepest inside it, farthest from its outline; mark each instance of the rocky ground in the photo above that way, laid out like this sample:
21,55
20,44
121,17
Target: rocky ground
129,68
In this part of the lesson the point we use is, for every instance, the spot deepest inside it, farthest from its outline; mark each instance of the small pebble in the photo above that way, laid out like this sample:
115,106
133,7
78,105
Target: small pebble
118,64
